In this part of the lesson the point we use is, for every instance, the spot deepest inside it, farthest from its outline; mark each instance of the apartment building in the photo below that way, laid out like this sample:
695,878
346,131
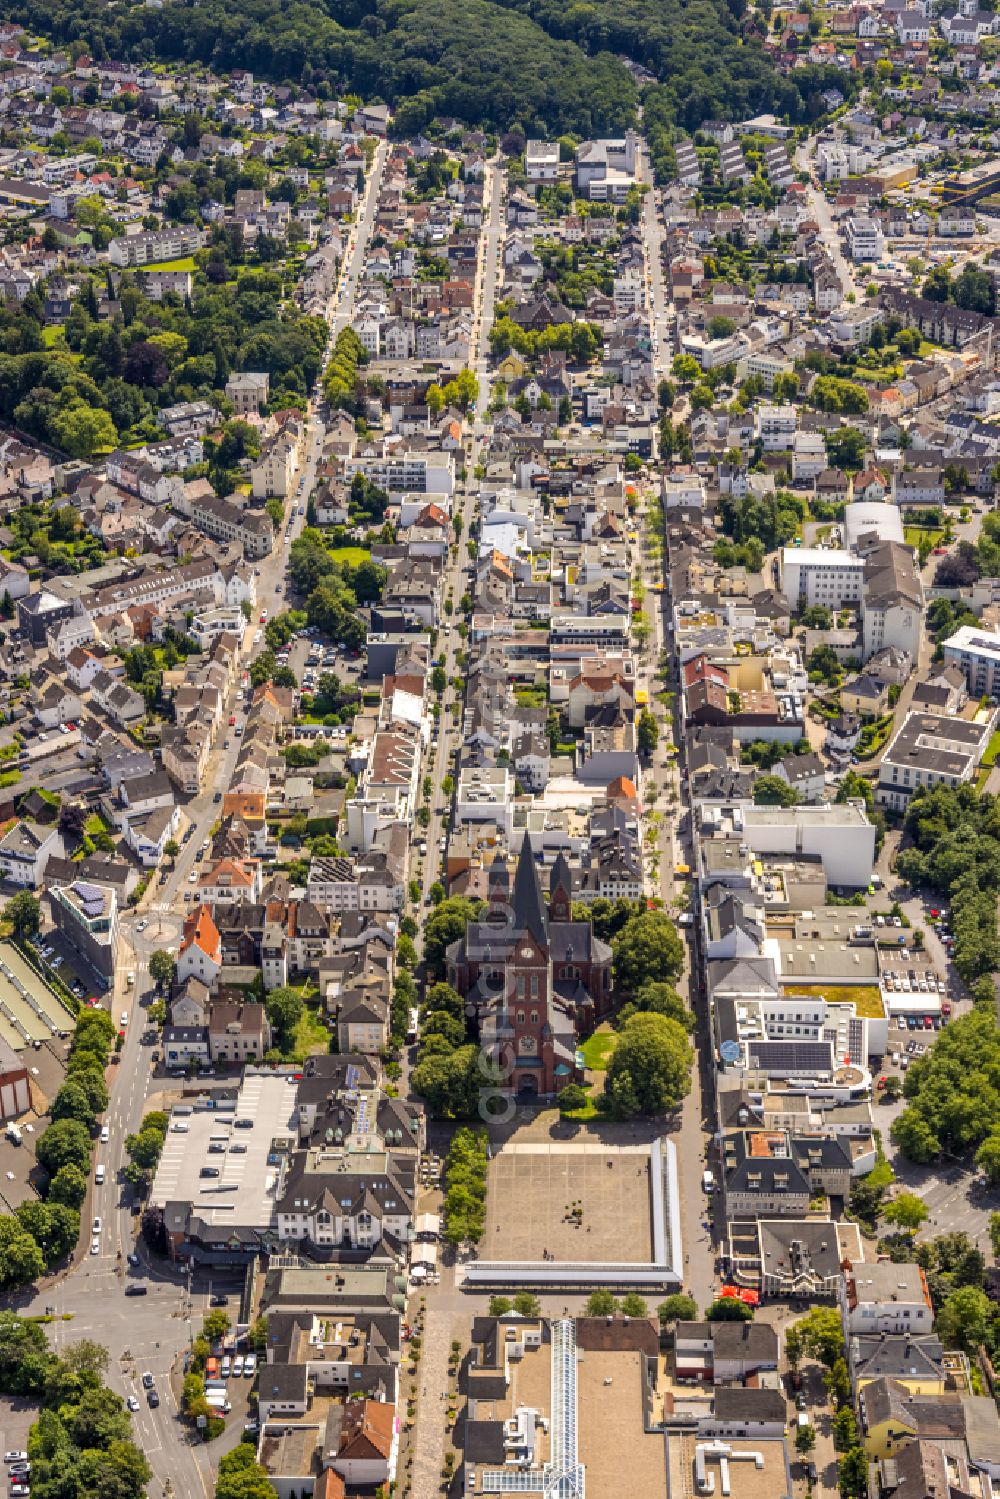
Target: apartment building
930,750
172,243
976,652
400,473
776,427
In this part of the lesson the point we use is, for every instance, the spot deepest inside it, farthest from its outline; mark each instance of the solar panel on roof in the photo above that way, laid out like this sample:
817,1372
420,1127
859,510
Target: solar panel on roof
353,1073
794,1056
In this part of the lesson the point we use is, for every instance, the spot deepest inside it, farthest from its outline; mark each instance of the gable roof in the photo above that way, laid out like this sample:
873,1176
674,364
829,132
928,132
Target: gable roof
201,931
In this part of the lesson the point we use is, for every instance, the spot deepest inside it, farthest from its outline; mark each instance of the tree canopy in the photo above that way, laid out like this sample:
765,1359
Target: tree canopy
647,950
650,1068
953,1091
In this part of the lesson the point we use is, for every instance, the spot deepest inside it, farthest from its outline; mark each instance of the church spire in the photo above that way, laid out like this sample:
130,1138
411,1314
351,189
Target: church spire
529,908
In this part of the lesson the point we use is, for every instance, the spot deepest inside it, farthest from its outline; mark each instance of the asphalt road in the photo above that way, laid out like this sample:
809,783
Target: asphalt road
152,1332
819,208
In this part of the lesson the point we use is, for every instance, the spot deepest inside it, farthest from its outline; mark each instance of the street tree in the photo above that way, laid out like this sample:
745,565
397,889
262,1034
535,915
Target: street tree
71,1102
728,1309
65,1143
21,1258
906,1211
964,1319
647,950
86,1356
68,1186
647,732
852,1474
633,1305
162,968
819,1334
844,1429
837,1380
677,1308
215,1325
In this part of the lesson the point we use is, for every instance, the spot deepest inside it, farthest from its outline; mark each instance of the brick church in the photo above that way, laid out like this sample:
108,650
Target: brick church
534,979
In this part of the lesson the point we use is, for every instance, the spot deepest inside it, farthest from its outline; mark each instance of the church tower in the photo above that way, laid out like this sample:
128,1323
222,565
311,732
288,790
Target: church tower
529,984
561,891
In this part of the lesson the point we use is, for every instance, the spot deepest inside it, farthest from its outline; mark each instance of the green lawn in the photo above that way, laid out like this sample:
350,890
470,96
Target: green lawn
597,1050
992,750
353,556
53,335
186,263
913,535
311,1037
587,1112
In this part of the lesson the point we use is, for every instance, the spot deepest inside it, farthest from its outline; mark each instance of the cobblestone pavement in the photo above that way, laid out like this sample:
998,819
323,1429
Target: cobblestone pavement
429,1436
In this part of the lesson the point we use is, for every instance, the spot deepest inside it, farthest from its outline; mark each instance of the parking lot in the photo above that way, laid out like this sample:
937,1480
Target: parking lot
310,656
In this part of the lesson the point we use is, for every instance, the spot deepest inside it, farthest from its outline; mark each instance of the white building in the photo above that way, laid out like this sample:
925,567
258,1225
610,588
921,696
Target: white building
930,750
865,240
885,1298
541,162
838,834
810,575
776,427
25,849
160,244
424,473
976,652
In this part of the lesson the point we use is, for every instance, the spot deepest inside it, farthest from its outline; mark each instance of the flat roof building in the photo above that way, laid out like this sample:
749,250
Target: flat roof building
87,916
930,750
222,1168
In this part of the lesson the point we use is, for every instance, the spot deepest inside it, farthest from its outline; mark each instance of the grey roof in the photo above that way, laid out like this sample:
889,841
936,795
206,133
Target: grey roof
529,910
897,1356
745,1340
733,1403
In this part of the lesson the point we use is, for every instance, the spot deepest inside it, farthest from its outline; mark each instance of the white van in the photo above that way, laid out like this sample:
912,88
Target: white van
708,1181
99,1175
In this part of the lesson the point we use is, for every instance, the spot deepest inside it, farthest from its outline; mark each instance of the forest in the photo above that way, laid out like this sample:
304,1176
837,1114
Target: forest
527,64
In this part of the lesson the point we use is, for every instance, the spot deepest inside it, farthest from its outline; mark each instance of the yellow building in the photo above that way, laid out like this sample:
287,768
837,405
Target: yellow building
890,1416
